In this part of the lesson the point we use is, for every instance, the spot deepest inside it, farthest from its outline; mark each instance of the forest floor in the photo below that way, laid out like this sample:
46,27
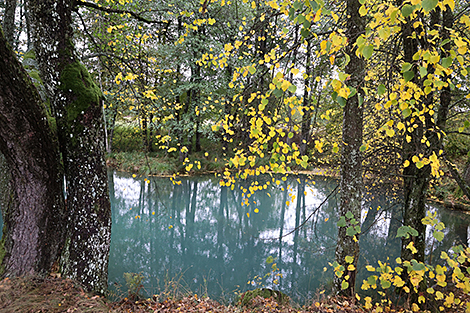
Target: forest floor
25,295
39,295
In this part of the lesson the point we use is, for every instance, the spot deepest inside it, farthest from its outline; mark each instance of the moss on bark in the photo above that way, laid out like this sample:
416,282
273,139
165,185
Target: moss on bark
76,80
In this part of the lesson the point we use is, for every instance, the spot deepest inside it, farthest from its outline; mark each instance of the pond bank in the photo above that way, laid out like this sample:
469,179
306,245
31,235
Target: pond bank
51,295
21,295
140,163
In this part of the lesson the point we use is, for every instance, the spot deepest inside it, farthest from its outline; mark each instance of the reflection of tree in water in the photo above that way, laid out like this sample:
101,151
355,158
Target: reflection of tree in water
201,229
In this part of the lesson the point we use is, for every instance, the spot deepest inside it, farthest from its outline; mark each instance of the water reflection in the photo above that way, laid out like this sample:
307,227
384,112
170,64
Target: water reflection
205,233
206,237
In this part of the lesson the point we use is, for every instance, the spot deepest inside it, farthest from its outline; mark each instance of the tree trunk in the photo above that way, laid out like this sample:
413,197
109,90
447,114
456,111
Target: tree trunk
351,160
9,21
34,205
77,107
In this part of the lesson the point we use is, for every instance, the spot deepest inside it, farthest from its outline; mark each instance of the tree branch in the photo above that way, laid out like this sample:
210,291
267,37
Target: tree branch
110,10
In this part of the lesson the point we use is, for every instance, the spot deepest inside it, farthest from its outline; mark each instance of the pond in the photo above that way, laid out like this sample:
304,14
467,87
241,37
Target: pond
202,237
198,236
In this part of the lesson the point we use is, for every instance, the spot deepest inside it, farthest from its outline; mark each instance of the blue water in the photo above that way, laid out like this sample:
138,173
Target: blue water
197,236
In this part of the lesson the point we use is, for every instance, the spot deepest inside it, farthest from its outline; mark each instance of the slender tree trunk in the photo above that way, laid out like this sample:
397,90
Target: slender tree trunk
76,102
34,205
9,21
351,159
307,113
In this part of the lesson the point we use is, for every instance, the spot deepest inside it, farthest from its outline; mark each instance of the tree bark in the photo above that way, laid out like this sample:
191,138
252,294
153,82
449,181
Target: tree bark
9,21
34,205
77,108
351,159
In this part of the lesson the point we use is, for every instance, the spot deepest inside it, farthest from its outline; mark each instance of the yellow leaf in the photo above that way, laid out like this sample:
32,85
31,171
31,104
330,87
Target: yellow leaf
317,16
362,10
450,3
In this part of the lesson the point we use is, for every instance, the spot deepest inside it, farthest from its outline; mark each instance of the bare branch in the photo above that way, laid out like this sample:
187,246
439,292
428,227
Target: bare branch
110,10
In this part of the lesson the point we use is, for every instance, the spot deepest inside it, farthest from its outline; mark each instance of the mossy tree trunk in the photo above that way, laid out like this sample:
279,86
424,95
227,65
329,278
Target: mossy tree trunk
33,204
76,103
347,248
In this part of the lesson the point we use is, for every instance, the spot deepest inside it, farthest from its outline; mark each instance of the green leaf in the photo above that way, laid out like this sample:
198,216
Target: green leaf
352,92
349,215
306,24
406,113
446,62
334,95
349,259
342,76
423,71
407,10
298,5
381,89
344,285
406,231
440,226
346,62
341,101
368,51
350,231
269,260
363,148
292,88
252,69
360,99
385,283
406,67
372,279
438,235
418,266
321,3
291,13
278,93
429,5
408,75
305,32
341,222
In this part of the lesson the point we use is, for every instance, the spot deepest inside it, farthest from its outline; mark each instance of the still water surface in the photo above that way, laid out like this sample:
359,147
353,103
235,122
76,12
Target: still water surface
199,234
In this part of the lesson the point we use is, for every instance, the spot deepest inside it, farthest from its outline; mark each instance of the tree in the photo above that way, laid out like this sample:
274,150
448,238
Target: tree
32,238
81,236
347,249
